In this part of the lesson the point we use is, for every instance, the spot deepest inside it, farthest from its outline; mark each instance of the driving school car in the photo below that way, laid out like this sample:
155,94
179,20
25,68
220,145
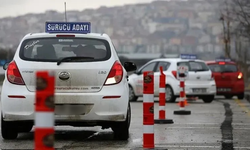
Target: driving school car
91,87
199,83
229,79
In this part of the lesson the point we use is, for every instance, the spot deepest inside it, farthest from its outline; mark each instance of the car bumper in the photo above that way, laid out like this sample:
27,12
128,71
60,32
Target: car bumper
69,106
210,89
236,87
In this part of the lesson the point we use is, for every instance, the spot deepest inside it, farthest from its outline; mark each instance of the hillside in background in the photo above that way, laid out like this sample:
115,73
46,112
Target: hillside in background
159,27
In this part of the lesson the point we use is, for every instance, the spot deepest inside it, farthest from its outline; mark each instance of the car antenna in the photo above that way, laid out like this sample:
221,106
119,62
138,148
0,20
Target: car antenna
65,11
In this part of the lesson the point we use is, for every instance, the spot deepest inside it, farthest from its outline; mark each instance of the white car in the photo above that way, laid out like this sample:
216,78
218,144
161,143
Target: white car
91,83
200,82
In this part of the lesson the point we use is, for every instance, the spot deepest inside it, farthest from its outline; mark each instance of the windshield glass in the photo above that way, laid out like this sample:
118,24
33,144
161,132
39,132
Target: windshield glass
194,65
53,49
223,68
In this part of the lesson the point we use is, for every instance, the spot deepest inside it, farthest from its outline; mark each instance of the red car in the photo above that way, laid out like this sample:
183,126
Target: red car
228,78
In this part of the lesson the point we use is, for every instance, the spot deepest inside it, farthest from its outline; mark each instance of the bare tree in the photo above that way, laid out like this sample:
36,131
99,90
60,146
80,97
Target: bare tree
235,18
226,18
241,12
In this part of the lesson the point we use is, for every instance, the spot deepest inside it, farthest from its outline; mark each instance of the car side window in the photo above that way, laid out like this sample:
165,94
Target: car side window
149,67
165,66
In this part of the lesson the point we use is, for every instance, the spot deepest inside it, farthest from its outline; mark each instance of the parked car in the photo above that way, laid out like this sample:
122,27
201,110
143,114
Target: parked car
91,86
200,82
229,79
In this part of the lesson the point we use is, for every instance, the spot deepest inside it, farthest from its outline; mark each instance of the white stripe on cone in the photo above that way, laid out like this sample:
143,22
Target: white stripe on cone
148,129
161,107
162,90
181,89
182,108
148,97
44,119
181,98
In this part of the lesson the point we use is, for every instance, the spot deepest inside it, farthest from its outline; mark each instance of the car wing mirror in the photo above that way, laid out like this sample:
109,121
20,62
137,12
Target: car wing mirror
5,66
130,66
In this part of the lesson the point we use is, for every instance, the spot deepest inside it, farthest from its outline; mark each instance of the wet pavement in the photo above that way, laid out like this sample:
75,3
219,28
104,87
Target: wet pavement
221,125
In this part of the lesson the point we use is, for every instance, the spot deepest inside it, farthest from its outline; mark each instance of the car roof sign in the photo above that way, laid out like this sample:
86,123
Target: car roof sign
222,59
68,27
188,56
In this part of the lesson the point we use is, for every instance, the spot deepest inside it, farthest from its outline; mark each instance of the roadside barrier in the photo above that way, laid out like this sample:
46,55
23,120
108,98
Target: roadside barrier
183,100
44,115
162,100
148,109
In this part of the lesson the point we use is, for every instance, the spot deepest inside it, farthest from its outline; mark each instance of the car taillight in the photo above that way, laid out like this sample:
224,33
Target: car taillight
240,76
13,74
174,73
115,74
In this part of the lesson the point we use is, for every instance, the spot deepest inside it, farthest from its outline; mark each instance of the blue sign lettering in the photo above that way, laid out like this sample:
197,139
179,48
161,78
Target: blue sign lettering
188,56
68,27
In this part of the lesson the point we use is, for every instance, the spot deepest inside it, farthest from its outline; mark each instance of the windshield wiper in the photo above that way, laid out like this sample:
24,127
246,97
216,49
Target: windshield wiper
67,59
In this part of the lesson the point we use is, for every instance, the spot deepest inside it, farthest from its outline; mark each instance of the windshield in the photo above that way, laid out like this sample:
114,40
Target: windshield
223,68
194,65
54,49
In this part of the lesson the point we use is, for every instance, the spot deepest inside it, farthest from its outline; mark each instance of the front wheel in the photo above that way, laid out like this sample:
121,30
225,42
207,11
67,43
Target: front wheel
121,129
170,97
8,129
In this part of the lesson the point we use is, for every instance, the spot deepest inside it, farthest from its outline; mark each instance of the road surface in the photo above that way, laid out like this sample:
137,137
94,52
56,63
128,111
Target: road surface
221,125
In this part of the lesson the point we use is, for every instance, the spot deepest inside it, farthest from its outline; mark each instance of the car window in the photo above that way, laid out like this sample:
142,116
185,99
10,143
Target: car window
53,49
165,66
194,65
149,67
223,68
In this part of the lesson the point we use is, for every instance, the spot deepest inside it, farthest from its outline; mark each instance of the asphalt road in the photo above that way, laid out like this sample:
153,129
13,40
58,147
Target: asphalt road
221,125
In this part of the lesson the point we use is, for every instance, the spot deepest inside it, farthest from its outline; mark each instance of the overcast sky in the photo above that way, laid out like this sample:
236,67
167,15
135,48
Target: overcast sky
20,7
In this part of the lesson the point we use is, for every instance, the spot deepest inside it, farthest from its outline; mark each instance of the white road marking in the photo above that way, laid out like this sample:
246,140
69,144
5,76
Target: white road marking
193,127
188,146
198,123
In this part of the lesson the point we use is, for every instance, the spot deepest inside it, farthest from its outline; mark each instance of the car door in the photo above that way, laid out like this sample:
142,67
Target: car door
139,81
165,65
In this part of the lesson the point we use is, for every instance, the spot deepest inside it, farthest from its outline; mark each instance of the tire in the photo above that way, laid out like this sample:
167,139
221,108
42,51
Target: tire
241,96
172,97
132,96
8,129
208,98
121,129
228,96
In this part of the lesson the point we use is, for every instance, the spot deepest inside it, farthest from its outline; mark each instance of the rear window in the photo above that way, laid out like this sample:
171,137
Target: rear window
53,49
194,65
223,68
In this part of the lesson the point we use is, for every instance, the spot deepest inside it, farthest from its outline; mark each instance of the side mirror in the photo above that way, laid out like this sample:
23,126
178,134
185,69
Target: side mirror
5,66
129,66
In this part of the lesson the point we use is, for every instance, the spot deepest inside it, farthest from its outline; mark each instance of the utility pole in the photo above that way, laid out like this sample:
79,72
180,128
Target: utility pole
65,11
